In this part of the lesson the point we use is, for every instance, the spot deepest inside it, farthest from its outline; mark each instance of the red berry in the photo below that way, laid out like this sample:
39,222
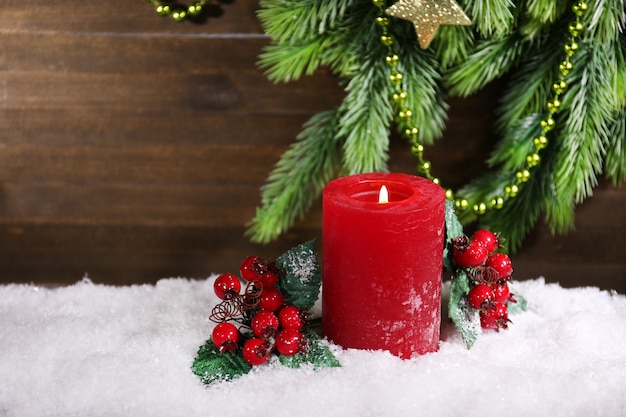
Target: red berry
291,317
289,342
501,293
501,263
254,269
468,253
480,297
495,318
271,299
487,238
251,268
227,286
225,337
256,351
264,324
269,279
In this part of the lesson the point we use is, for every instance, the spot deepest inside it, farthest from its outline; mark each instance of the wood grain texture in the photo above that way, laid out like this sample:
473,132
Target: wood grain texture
132,148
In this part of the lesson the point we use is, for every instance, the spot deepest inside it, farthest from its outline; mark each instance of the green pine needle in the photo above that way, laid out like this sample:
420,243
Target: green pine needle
298,178
523,40
615,162
491,18
423,85
491,59
545,12
284,63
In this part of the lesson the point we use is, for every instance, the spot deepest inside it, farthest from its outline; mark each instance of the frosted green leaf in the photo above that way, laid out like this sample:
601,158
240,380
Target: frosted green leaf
300,276
465,318
318,354
213,366
518,306
453,229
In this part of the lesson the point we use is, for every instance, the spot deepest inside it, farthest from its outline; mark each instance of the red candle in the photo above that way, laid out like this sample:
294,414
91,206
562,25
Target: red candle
382,263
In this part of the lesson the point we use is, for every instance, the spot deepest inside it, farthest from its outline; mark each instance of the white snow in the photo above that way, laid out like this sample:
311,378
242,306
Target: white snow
94,350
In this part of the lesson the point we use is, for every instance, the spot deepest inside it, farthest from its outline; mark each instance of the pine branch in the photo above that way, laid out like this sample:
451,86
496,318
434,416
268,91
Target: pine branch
366,109
518,216
585,134
300,20
491,18
619,74
366,118
298,178
305,35
423,84
491,59
546,12
516,143
605,21
453,45
530,85
615,160
284,63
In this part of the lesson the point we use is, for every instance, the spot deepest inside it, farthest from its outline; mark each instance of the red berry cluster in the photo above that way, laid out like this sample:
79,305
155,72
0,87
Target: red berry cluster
269,324
490,272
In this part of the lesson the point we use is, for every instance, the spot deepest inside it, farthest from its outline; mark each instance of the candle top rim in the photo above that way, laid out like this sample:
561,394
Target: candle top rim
409,190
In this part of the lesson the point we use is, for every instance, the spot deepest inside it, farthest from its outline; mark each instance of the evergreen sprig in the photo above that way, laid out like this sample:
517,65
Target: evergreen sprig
522,40
298,178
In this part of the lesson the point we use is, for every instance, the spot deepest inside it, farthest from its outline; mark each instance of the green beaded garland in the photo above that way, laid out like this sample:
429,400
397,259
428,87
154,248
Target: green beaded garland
580,8
392,60
165,8
540,142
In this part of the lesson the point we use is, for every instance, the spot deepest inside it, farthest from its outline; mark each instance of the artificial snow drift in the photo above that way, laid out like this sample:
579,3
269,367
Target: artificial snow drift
94,350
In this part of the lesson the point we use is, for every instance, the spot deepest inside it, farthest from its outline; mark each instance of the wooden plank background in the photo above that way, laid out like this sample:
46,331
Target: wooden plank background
133,147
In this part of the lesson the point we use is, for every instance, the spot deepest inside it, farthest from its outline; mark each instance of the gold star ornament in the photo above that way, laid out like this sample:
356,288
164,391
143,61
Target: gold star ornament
428,15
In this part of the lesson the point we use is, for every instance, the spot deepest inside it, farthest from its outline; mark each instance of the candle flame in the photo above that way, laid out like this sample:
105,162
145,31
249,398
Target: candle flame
383,195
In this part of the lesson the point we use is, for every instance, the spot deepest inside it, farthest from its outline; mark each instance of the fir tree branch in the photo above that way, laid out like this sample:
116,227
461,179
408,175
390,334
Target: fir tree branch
615,160
425,94
284,63
298,178
453,45
300,20
491,18
305,35
528,202
606,21
546,12
619,75
584,136
491,59
366,109
530,85
516,143
366,118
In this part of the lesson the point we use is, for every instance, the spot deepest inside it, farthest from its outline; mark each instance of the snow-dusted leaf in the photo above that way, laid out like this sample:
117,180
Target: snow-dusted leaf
453,229
213,366
300,276
319,354
465,318
518,306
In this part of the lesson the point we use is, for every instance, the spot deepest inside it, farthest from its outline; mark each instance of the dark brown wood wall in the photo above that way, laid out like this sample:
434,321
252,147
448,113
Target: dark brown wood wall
133,147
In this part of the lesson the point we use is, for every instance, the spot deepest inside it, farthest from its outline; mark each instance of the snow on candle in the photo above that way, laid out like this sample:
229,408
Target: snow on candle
382,262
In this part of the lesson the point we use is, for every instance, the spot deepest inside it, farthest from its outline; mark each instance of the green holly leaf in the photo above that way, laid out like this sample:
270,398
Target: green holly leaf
300,276
318,354
213,366
454,228
465,318
519,306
